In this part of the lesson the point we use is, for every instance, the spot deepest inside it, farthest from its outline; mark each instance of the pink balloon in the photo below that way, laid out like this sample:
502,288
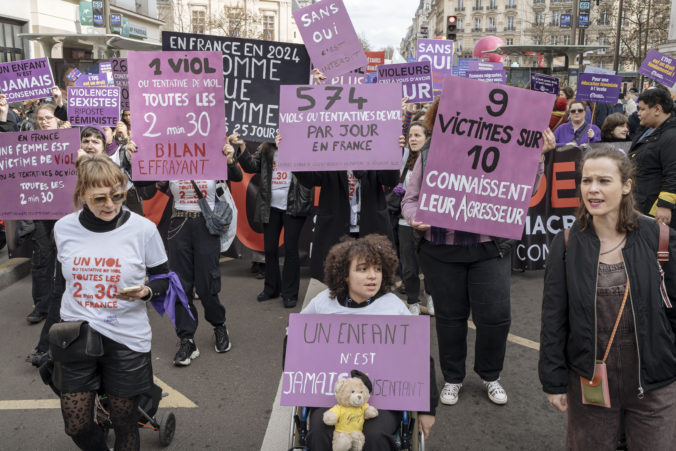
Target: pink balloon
488,43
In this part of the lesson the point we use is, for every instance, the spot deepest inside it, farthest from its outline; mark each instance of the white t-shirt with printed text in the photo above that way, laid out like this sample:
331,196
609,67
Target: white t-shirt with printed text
185,198
387,304
281,181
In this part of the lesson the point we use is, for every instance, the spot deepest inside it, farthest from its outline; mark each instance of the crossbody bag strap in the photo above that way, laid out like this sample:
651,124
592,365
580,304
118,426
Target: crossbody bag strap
663,247
580,131
617,321
197,190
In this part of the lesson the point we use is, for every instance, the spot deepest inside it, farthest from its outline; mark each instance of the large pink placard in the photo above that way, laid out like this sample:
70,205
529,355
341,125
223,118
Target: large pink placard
483,157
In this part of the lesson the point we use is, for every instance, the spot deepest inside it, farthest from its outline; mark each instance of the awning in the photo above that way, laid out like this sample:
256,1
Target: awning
549,51
109,41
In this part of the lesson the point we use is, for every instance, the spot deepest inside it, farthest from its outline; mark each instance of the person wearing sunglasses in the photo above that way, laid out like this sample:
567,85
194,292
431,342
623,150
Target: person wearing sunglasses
577,131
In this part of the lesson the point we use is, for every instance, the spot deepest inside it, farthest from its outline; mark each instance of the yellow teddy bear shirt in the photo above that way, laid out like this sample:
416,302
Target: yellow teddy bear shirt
350,419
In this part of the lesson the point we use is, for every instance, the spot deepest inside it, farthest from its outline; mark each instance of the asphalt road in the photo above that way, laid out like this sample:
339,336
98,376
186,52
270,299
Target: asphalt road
225,401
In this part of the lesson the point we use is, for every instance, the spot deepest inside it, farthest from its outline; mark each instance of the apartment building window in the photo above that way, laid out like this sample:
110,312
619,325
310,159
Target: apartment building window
555,18
11,47
491,24
198,21
459,24
461,5
536,40
269,28
477,24
604,19
539,18
566,39
511,4
510,23
458,46
509,41
603,40
555,40
492,4
477,5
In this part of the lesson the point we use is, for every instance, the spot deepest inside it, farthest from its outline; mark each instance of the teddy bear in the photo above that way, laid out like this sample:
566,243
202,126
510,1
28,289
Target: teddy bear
349,414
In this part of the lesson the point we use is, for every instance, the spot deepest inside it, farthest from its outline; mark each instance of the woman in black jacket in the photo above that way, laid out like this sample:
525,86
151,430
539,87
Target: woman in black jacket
603,287
281,202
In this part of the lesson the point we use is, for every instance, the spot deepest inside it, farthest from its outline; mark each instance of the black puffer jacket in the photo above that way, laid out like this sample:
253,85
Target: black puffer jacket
300,199
567,337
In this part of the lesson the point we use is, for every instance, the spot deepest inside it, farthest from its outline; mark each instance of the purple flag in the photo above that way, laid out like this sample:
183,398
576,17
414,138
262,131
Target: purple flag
26,79
37,173
416,79
598,87
440,55
321,349
98,105
659,67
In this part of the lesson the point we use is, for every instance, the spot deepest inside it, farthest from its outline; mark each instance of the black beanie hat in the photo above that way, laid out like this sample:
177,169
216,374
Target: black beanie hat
364,378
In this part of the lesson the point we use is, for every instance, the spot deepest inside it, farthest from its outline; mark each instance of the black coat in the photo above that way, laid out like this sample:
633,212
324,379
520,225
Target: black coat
333,215
299,199
568,307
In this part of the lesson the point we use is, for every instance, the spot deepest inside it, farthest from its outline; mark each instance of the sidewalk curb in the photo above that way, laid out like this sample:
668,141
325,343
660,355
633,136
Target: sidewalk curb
13,270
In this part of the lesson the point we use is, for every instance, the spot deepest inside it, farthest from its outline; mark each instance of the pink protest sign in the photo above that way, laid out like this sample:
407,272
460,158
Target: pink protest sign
37,173
121,80
26,79
415,78
336,128
329,38
393,350
95,105
440,55
483,157
177,105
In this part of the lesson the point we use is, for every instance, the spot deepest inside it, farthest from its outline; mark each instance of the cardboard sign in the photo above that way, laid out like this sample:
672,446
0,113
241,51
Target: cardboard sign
491,76
483,65
354,77
375,59
329,37
93,105
440,55
105,67
394,350
598,88
483,157
253,71
121,80
26,79
335,128
37,173
659,67
105,79
177,105
415,78
544,83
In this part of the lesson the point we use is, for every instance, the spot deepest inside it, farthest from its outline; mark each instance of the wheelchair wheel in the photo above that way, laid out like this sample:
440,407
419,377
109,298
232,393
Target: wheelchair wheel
167,429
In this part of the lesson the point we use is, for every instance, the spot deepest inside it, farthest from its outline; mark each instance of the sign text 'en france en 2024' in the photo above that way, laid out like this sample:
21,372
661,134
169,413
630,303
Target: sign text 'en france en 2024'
37,173
483,158
177,106
322,349
26,79
415,78
329,37
440,55
336,128
253,70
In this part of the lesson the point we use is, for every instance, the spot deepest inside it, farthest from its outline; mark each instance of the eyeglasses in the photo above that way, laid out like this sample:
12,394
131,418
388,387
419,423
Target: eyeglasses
100,199
576,111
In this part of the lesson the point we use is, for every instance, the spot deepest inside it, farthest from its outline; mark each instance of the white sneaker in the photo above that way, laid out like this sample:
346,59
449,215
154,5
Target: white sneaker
414,308
496,393
449,394
430,304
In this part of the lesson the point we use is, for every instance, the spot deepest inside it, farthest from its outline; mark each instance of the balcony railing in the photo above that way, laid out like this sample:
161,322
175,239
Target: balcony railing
510,7
491,7
508,28
476,30
477,8
491,29
459,8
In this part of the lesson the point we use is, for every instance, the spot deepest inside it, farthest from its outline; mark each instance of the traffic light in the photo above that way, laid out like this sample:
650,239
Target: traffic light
451,27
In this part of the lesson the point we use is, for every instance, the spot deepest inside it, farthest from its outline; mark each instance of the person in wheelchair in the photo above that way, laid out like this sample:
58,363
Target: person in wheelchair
359,274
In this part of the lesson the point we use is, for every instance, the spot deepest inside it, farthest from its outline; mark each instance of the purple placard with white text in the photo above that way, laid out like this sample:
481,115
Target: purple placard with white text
394,350
483,160
659,67
336,128
95,105
37,173
492,76
177,104
121,80
26,79
598,87
329,38
544,83
415,78
484,65
440,55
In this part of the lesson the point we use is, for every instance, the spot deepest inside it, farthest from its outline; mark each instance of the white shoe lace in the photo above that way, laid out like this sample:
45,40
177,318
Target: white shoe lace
495,390
450,390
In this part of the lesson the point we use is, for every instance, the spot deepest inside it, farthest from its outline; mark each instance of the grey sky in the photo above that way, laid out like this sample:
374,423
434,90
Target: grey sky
382,22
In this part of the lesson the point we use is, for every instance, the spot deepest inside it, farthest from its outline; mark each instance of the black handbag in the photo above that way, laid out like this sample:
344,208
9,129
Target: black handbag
74,341
393,200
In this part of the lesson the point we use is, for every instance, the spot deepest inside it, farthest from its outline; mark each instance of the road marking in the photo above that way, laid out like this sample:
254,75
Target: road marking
174,399
515,339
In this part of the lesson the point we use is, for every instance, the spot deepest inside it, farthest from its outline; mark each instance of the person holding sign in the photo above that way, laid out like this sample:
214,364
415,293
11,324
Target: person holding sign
194,255
359,274
577,131
105,253
281,202
607,354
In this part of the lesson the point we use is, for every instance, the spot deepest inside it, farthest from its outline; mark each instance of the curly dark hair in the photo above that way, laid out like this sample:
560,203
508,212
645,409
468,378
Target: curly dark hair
374,249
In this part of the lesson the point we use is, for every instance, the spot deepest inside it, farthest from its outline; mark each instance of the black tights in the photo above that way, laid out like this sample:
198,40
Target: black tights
78,416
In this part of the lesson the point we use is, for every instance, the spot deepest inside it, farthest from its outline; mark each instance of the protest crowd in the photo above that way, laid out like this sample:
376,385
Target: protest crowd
399,228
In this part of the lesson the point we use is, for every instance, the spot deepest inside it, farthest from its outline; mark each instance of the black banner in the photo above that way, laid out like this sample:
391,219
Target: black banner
253,71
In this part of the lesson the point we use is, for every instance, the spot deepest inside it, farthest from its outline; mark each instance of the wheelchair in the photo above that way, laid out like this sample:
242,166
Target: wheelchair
407,437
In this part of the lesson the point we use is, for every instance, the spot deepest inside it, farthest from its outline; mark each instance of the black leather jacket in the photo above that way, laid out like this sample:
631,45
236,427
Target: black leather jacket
568,334
300,199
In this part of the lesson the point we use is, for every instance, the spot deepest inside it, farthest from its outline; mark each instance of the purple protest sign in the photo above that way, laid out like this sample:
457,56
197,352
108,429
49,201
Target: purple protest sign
329,38
492,76
335,128
484,65
37,173
26,79
593,87
483,157
440,55
659,67
104,79
544,83
121,80
97,105
393,350
177,104
415,78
